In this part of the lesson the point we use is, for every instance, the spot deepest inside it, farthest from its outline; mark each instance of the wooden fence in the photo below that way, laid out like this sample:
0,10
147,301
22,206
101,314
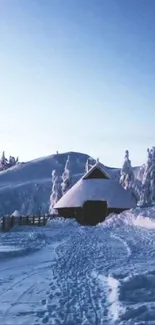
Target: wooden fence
8,222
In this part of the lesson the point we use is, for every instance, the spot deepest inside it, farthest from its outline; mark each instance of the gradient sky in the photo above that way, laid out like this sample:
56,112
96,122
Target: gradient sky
77,75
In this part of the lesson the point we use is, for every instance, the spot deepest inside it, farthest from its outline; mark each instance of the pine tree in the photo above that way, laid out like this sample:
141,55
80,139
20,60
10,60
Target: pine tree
89,163
16,160
56,191
66,177
86,166
12,161
148,180
7,163
3,161
126,175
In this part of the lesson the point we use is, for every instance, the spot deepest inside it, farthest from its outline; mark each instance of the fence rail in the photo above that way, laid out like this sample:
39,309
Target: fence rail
8,222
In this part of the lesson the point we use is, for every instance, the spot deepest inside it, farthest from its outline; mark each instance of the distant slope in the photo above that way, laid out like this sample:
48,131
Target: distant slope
41,168
27,187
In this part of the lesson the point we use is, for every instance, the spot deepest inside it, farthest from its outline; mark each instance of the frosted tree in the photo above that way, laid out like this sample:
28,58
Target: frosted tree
87,166
17,160
66,177
126,175
12,161
148,180
3,161
56,191
152,185
89,163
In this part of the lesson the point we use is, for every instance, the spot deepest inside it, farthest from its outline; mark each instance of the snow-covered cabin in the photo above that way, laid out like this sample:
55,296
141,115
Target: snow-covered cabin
94,196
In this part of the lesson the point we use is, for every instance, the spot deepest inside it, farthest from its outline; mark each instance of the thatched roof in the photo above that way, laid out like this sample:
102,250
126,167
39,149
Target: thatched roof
97,190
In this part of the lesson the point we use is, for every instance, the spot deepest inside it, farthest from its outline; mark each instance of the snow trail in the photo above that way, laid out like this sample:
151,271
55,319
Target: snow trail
68,274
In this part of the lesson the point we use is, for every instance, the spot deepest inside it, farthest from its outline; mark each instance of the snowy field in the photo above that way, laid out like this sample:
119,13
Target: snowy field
68,274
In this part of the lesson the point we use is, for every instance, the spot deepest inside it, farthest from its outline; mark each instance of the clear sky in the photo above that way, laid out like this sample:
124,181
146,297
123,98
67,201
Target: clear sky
77,75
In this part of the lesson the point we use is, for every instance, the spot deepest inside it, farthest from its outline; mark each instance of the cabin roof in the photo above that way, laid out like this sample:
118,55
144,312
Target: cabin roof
102,173
97,189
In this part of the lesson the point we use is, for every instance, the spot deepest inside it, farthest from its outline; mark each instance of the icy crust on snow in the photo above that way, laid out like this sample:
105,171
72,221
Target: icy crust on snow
97,189
65,273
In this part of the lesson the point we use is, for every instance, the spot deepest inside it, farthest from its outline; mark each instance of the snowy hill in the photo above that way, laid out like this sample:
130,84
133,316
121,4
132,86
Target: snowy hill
27,187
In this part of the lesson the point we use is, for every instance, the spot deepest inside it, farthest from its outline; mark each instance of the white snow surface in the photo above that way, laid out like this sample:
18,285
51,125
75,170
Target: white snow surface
97,189
16,213
65,273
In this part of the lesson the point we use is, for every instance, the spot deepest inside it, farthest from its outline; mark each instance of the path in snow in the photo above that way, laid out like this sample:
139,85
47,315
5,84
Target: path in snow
76,275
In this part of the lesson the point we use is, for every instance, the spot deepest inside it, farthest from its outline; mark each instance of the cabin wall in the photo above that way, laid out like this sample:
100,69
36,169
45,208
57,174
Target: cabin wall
68,212
78,213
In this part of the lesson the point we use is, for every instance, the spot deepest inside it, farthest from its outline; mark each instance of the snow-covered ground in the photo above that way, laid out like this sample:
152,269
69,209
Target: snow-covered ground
68,274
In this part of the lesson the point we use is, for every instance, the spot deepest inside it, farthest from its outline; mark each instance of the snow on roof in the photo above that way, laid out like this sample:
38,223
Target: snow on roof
97,189
15,213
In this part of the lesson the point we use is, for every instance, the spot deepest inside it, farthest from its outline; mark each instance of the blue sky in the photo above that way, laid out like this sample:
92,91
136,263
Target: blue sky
77,75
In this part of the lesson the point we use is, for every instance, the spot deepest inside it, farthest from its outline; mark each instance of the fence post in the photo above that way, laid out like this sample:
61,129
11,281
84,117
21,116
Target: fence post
11,221
3,223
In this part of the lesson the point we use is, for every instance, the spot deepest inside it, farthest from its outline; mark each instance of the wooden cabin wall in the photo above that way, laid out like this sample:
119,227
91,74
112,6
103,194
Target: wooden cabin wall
78,213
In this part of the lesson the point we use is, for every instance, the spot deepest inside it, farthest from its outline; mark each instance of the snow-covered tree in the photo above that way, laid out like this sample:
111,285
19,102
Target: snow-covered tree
148,180
126,175
66,177
7,163
87,166
56,191
12,161
3,161
89,163
17,160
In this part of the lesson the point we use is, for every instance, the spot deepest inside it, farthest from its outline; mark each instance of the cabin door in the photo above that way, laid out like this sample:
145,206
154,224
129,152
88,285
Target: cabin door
94,212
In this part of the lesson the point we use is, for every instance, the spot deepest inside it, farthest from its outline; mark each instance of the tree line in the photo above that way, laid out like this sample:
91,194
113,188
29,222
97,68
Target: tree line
141,184
7,163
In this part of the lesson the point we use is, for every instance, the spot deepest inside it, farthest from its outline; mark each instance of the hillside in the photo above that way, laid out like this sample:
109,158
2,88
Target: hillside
27,187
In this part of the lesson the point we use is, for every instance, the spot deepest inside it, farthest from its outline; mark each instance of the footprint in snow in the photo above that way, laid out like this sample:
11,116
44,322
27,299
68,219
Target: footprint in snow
43,302
45,319
40,313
